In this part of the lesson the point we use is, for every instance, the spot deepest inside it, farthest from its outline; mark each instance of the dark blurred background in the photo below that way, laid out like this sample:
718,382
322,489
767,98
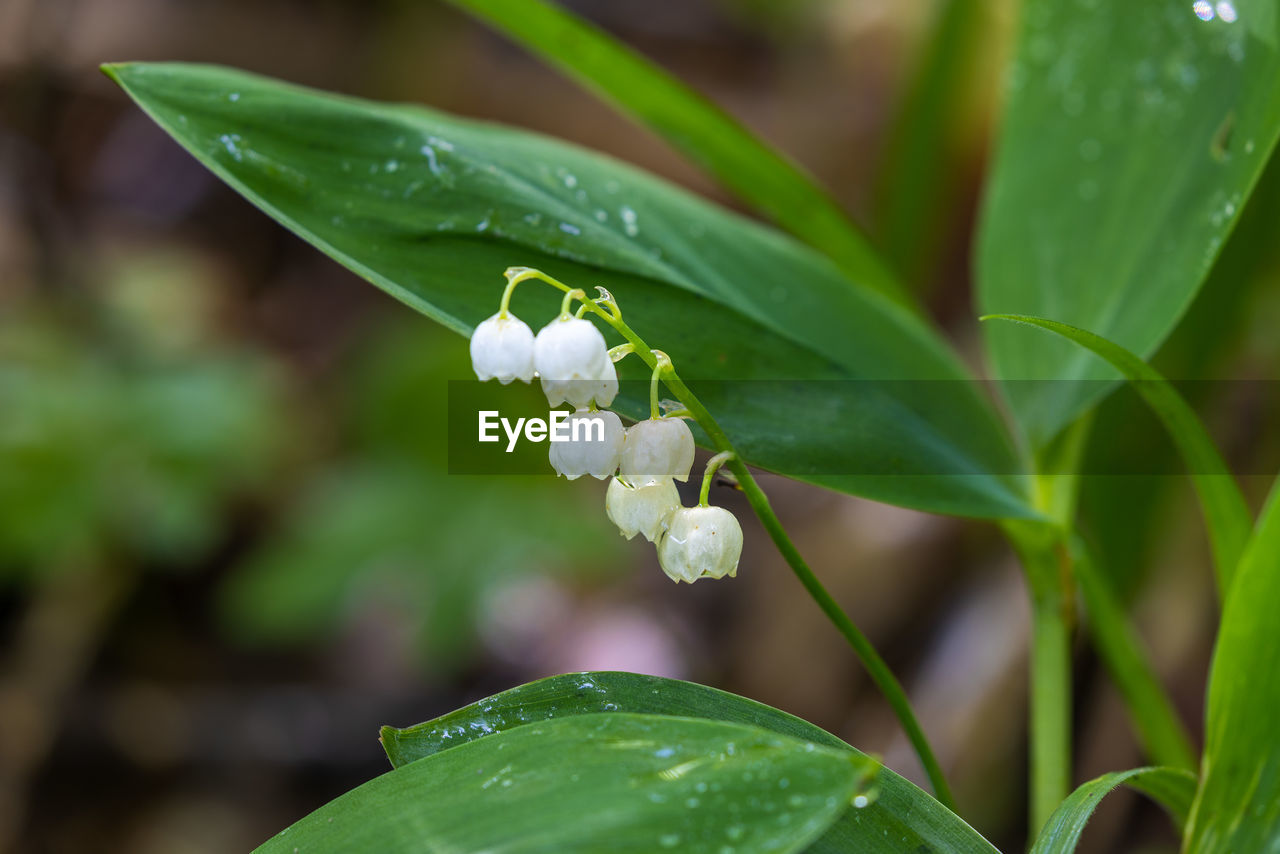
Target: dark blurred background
229,547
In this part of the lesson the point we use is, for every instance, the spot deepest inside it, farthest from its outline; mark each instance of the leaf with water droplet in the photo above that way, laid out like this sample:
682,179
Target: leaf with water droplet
1104,208
894,810
414,189
590,783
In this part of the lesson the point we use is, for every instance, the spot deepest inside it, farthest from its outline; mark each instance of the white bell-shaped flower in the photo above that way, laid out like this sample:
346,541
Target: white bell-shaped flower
593,447
658,447
700,542
604,388
573,363
502,347
641,509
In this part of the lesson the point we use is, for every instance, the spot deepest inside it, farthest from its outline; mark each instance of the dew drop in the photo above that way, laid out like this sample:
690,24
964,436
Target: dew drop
231,142
432,163
1203,10
569,228
669,840
1226,11
629,224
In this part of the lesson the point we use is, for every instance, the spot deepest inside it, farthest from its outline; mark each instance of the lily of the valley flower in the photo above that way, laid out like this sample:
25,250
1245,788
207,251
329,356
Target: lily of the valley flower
641,509
502,347
700,542
590,450
571,359
656,448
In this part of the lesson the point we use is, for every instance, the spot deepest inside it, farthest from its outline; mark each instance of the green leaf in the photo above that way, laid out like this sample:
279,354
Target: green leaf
432,208
1154,717
1133,135
901,818
706,134
1238,805
624,783
1172,788
1225,510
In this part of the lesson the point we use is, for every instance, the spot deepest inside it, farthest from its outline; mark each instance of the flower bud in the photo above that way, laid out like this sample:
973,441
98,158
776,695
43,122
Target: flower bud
595,443
700,542
658,447
641,509
573,362
502,347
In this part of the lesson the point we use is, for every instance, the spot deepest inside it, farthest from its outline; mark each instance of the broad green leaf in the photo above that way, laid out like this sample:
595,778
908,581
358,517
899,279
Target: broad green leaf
901,818
1225,511
1154,717
1134,133
1237,808
706,134
432,208
1172,788
624,783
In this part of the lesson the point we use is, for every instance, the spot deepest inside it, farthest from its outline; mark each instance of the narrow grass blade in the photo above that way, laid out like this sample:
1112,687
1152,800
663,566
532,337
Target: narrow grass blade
710,137
1172,788
1225,511
1162,734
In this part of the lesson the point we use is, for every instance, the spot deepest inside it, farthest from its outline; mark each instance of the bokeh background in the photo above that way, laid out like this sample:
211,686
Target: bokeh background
229,545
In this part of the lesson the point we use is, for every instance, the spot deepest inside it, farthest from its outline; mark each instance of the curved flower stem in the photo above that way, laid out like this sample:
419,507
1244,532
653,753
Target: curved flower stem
876,667
662,364
713,465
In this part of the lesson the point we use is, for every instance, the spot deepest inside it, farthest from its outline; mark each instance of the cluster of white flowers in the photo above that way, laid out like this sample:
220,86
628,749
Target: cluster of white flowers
574,365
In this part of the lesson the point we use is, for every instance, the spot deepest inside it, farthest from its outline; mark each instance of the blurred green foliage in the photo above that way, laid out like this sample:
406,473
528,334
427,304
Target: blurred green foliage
132,432
129,430
384,526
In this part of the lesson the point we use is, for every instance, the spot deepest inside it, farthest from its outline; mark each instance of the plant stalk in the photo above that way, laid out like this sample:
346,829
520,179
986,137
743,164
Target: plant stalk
1048,572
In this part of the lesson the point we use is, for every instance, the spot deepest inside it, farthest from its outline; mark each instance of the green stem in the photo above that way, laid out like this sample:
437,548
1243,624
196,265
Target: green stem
663,363
861,645
567,302
876,667
713,465
1048,571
